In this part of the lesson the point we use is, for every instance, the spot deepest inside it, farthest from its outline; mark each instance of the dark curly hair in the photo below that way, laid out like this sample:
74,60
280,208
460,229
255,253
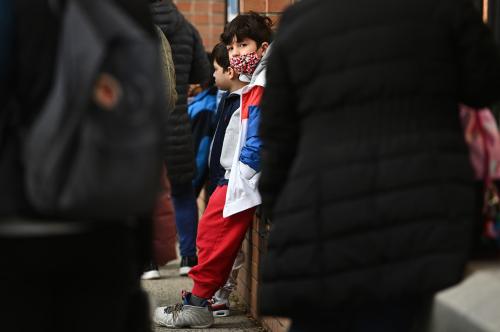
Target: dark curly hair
220,55
250,25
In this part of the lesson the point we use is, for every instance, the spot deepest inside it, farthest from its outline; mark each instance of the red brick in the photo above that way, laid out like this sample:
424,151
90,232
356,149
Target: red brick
201,7
184,7
275,18
218,7
255,270
255,222
200,19
218,19
255,255
255,230
203,29
278,5
253,301
253,5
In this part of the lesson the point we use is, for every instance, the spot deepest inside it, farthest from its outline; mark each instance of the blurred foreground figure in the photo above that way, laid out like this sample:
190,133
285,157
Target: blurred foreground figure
77,273
365,172
191,66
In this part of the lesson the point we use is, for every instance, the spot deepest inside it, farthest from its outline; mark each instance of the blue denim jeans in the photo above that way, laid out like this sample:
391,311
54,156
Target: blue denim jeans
186,217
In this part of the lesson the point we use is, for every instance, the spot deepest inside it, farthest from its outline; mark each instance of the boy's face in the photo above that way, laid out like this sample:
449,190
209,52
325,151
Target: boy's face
245,46
223,78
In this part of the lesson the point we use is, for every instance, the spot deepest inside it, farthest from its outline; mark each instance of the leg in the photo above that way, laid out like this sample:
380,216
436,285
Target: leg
219,240
186,219
220,305
232,282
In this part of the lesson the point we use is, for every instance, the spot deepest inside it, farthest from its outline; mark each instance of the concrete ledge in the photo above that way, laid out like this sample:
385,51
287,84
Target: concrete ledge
473,305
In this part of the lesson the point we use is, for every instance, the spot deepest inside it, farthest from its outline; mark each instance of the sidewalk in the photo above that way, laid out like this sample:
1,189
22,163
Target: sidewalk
473,305
167,290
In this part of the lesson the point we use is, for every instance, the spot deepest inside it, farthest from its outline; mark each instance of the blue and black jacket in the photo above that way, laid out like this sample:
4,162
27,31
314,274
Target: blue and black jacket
201,114
229,103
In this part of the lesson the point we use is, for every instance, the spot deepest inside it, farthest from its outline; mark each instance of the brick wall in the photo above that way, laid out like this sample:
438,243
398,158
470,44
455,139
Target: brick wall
271,8
254,247
208,16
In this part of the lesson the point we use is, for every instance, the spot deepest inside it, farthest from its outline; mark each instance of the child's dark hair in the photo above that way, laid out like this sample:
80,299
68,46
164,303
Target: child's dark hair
220,55
210,83
251,25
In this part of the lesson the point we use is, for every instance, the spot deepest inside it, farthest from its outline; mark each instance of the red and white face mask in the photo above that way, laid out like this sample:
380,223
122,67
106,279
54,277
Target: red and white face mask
245,64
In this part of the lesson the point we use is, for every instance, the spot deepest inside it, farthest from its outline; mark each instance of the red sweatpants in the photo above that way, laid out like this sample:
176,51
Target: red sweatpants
219,240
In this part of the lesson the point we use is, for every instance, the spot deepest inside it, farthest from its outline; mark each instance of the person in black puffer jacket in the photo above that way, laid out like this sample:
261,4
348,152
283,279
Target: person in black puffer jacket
365,172
191,66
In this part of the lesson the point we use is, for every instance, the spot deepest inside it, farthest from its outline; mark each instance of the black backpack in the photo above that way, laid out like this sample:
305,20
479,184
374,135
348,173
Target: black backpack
95,150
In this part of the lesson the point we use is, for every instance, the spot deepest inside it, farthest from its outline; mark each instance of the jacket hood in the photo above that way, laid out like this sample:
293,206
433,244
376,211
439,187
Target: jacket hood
166,14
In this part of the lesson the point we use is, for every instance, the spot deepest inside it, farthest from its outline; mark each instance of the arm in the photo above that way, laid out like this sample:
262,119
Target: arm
478,57
279,128
250,152
201,126
168,70
200,67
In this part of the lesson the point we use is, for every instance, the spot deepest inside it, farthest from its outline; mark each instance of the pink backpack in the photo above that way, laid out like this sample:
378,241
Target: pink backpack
483,139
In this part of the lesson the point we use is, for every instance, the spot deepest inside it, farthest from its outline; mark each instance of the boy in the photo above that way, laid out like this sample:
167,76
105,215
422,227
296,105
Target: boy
226,79
232,205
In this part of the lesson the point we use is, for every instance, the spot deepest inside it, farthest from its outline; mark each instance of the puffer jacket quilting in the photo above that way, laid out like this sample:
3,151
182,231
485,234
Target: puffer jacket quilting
191,66
364,167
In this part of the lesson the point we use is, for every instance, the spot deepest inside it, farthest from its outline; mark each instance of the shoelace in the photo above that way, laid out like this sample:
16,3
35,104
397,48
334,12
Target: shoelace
174,309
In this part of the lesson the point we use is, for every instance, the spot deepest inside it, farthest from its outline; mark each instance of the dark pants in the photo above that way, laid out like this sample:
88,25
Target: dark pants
186,217
399,316
81,283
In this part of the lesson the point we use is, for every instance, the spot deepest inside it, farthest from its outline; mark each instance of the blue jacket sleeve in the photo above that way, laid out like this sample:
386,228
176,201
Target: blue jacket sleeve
250,153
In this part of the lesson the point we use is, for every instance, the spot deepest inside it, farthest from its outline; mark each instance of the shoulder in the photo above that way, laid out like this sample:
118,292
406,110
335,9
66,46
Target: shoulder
253,91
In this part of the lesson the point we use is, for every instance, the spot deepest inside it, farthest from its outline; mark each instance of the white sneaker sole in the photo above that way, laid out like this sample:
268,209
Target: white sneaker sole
161,322
183,271
221,313
182,327
154,274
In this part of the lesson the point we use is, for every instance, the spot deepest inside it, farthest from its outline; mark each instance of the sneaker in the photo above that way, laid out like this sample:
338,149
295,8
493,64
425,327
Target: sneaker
187,262
151,272
220,307
184,315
